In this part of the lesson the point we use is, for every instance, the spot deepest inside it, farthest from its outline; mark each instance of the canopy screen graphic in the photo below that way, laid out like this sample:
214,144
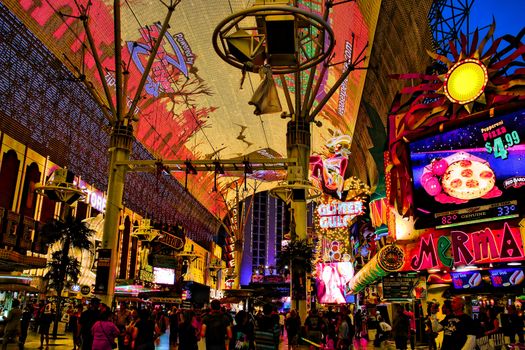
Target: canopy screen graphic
192,107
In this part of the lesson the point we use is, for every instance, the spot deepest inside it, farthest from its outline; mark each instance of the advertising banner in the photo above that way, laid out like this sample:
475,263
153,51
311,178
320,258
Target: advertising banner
399,287
103,262
471,174
332,282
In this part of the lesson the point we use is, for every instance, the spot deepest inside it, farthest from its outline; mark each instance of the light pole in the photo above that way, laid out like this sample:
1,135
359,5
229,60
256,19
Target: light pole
121,139
290,40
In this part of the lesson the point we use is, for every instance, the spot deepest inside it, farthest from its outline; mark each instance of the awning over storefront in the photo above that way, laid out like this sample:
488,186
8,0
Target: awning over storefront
133,290
130,299
14,261
389,259
13,287
238,293
16,283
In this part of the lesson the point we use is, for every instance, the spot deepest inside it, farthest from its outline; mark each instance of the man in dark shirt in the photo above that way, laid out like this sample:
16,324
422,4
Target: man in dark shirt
215,326
24,323
174,326
86,322
314,326
458,328
267,330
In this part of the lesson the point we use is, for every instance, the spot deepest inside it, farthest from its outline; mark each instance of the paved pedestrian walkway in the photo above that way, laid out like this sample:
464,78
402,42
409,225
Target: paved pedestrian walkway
64,341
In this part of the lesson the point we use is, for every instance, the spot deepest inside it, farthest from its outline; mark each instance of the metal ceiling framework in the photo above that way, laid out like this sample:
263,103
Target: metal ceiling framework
117,76
447,20
65,124
246,165
190,121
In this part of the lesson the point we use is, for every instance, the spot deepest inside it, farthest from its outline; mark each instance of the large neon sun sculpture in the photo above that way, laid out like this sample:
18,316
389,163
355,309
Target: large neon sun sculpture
472,80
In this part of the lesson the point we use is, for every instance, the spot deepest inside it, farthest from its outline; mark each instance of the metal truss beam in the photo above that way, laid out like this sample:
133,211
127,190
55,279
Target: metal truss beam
247,165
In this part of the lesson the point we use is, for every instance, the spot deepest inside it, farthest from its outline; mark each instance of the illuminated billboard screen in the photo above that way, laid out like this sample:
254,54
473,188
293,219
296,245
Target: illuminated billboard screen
466,280
332,282
503,278
471,174
163,275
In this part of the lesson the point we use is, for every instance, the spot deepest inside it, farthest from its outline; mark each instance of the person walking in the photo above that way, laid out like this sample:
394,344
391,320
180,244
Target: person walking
44,322
342,330
412,331
189,335
401,328
66,317
383,332
86,322
432,310
492,325
161,320
174,326
347,314
12,327
215,327
267,330
144,333
314,326
459,331
515,325
358,321
27,314
242,333
104,332
122,320
293,326
130,328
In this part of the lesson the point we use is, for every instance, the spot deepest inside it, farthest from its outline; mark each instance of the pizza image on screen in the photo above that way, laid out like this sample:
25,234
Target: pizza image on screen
459,178
468,179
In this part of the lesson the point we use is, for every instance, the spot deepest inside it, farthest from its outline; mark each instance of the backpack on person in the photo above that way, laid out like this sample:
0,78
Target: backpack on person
240,340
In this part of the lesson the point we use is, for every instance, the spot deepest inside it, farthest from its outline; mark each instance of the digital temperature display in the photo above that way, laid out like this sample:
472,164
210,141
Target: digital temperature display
503,210
471,174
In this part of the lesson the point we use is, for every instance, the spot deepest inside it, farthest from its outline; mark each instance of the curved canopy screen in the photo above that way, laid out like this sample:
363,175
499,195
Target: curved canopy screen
192,107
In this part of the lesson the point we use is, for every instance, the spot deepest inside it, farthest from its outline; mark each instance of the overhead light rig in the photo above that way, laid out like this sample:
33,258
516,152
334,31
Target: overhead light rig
245,165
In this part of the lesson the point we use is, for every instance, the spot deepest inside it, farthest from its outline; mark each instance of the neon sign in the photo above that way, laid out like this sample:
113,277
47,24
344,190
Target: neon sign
342,95
97,200
94,197
484,245
338,214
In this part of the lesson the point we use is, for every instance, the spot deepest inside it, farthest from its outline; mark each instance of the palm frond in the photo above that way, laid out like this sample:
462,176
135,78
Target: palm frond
299,253
71,228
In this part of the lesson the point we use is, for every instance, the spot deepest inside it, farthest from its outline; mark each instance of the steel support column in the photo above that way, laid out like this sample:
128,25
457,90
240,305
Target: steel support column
120,149
298,146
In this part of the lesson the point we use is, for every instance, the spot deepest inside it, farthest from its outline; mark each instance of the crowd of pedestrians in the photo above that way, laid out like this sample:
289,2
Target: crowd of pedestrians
96,327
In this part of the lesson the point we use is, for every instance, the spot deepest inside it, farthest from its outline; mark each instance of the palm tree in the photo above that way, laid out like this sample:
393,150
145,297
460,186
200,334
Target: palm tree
299,253
64,268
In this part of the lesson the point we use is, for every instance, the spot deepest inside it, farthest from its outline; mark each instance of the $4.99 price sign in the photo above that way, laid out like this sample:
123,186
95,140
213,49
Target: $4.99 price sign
499,145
